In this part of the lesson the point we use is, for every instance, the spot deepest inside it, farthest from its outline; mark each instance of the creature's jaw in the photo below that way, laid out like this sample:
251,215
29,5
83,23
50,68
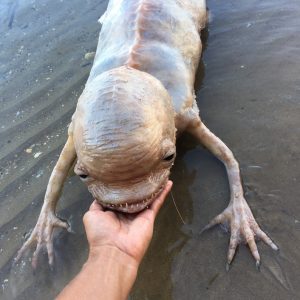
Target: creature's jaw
137,206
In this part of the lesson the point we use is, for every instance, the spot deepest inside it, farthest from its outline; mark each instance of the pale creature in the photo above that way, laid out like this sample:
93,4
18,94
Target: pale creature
138,98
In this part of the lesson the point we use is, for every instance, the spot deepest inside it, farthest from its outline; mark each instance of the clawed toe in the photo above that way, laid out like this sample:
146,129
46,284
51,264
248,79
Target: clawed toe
219,219
25,246
262,236
42,236
243,228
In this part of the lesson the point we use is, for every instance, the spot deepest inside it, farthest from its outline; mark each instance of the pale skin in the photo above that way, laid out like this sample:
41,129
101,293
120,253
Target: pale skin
139,97
237,215
117,244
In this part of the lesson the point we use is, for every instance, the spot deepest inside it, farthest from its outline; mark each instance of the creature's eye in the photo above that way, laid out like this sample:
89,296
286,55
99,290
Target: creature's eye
83,176
169,157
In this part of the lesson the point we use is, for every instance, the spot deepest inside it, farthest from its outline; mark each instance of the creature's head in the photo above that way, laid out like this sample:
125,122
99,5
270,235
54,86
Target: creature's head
124,137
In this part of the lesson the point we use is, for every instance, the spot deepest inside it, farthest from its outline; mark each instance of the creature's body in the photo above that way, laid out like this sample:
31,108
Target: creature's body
139,93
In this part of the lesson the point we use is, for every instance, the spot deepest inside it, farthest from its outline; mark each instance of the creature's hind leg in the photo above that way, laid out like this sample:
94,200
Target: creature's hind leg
42,233
237,215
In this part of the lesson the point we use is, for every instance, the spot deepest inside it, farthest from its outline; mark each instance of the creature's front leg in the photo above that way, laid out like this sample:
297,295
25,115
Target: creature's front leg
42,233
237,215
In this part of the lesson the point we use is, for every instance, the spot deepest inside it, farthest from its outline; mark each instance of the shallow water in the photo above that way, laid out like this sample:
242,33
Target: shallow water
248,92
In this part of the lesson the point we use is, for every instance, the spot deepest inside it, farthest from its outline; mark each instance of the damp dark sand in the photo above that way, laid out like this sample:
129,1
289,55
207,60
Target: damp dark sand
248,91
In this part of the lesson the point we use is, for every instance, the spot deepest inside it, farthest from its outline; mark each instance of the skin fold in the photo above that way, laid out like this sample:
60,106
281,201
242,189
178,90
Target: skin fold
138,98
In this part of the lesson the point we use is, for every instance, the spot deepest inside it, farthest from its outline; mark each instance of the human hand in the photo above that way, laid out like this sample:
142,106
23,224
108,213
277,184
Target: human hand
131,234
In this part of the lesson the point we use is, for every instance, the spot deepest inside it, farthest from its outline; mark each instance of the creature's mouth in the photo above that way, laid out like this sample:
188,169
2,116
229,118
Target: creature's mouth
134,207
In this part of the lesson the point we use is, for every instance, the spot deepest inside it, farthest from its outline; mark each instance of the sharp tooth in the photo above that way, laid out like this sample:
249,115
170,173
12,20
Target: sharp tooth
112,205
126,204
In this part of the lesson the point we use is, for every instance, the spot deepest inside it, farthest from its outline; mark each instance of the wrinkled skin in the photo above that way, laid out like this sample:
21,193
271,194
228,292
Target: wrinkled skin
140,92
124,138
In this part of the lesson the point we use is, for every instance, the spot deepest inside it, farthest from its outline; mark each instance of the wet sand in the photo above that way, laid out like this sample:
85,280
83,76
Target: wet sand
248,92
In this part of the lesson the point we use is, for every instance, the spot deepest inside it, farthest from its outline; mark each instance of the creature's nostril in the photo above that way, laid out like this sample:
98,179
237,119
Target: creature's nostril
83,176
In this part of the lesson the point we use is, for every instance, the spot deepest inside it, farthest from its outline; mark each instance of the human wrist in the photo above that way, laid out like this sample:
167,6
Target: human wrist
98,254
115,269
108,273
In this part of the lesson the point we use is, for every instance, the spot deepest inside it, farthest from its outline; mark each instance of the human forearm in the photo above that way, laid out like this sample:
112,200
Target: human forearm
110,271
108,274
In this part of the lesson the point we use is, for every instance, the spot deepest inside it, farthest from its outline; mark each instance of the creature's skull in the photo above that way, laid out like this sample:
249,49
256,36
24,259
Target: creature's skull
124,135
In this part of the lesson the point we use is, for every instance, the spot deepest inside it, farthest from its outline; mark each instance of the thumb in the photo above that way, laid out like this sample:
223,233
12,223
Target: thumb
158,202
95,206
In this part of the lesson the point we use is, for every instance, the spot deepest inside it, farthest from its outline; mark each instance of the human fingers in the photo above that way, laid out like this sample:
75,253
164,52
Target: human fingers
158,202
